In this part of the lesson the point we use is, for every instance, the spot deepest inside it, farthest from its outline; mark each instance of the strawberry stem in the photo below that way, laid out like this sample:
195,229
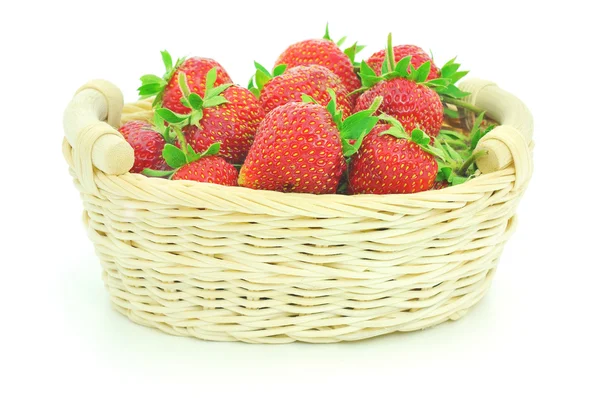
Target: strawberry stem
182,140
462,104
469,161
390,53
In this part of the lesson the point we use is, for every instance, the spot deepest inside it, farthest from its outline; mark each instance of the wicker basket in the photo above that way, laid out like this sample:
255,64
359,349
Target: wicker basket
230,263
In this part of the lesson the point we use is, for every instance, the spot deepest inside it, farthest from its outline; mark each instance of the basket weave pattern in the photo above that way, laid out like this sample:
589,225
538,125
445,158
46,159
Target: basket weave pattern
230,263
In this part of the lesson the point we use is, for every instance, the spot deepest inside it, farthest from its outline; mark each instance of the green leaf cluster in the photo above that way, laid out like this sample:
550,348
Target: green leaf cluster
262,76
153,85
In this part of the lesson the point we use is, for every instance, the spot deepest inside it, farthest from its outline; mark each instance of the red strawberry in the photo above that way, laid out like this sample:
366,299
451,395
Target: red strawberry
386,164
300,147
226,114
189,165
407,94
326,53
312,80
147,145
213,169
414,105
440,185
233,124
418,58
167,90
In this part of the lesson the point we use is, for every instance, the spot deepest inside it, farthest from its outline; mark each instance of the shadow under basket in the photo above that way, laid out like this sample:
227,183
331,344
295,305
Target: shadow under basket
235,264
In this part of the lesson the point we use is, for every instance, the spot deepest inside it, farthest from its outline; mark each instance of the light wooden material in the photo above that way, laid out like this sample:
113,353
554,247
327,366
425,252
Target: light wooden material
229,263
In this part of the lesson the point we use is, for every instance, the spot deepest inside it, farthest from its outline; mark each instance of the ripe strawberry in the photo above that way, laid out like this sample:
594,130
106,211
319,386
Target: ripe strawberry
413,104
227,114
300,147
147,145
418,58
326,53
213,169
407,94
189,165
233,123
439,185
288,85
167,90
389,162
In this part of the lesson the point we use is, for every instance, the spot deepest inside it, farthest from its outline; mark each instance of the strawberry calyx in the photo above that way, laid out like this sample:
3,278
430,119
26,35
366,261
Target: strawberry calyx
350,51
417,136
460,152
355,127
153,85
197,104
262,76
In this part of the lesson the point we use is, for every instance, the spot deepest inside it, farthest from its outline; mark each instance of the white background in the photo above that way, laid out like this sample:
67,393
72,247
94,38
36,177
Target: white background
534,333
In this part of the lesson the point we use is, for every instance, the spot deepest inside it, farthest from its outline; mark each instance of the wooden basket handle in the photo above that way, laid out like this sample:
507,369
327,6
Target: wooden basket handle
90,122
510,142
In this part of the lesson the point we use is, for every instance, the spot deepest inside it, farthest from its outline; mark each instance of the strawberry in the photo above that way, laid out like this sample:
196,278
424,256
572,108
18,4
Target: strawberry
415,105
227,114
418,58
189,165
147,145
326,53
407,95
288,85
391,162
300,147
437,185
167,90
213,169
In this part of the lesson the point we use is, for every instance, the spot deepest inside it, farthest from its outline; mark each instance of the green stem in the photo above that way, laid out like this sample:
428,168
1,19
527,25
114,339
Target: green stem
390,54
462,104
182,141
469,161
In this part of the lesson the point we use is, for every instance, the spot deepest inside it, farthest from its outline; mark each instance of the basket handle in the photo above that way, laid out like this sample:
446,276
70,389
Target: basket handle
90,122
510,142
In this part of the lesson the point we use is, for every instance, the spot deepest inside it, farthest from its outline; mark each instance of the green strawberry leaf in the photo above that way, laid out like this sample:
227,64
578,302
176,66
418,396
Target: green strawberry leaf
423,71
261,68
152,79
451,91
445,134
157,173
402,67
279,69
213,92
355,125
477,123
183,85
174,156
349,149
397,132
451,113
212,150
211,78
170,117
167,60
419,137
195,117
341,41
308,99
215,101
326,36
195,101
261,79
439,82
148,90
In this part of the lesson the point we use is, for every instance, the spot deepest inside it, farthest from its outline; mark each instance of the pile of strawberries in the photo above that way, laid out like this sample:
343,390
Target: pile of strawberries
319,123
